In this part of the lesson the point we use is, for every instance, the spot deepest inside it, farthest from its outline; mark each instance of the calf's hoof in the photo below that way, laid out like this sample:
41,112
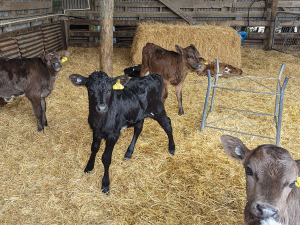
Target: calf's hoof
88,168
172,152
40,129
127,156
105,190
180,112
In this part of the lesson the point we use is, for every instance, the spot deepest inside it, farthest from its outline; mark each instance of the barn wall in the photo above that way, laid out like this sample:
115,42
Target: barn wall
129,12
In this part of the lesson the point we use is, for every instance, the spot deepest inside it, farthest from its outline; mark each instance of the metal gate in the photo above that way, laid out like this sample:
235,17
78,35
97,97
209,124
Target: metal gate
287,37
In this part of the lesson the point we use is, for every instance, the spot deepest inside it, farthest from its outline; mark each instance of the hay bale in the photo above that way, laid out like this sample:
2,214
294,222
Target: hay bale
212,42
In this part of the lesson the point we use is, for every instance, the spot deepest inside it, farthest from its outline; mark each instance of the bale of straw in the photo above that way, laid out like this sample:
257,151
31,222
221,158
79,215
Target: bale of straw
212,42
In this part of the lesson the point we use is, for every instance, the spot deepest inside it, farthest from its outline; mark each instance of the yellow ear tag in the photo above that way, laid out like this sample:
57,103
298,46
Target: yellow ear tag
297,183
206,63
64,59
118,85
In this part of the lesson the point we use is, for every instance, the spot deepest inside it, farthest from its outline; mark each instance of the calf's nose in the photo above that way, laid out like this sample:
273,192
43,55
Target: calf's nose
101,108
198,66
266,211
56,64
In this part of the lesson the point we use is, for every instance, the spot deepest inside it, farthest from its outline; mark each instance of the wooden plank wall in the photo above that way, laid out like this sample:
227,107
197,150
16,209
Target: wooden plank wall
32,42
128,13
24,8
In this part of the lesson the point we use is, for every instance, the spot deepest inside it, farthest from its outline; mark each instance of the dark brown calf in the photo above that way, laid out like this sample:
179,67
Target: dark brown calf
173,66
212,66
271,175
33,77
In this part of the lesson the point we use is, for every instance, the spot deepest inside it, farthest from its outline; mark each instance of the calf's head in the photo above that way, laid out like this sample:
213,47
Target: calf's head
53,59
100,87
271,174
190,56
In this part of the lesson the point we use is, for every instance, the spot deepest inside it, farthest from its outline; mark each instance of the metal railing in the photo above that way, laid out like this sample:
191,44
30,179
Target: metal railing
279,93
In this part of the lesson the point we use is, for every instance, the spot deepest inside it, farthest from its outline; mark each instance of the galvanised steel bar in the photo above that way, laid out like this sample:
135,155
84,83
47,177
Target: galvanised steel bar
278,92
280,111
256,135
258,92
206,101
214,89
241,110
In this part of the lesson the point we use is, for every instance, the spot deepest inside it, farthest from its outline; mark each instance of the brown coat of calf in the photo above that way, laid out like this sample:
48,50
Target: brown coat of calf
33,77
212,66
172,66
271,174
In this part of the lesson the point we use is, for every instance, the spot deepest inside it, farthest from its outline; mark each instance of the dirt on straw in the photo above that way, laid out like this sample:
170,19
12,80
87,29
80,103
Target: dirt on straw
42,178
222,42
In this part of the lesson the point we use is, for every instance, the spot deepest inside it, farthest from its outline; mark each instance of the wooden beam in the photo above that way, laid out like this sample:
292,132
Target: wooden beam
106,36
178,11
274,6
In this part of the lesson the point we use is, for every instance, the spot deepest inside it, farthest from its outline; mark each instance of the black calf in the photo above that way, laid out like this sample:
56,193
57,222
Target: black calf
112,110
133,71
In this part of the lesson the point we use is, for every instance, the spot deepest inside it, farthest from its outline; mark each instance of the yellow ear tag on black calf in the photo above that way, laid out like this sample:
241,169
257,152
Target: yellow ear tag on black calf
297,183
206,63
118,85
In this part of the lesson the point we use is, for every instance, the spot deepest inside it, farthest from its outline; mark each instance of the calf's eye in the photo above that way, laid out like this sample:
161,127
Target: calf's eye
249,171
188,56
292,184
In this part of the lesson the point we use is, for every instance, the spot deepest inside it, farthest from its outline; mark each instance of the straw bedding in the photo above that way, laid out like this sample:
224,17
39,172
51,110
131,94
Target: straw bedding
42,178
212,42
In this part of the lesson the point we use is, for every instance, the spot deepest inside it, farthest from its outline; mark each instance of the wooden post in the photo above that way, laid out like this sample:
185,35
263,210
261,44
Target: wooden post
272,23
106,36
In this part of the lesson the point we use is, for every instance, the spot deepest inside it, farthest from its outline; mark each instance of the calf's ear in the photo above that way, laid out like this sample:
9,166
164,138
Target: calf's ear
123,79
77,79
65,54
179,49
234,147
298,165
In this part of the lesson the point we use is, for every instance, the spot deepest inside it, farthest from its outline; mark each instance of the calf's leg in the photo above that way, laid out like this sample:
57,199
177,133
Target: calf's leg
164,121
178,90
106,160
2,102
164,93
137,130
94,149
144,70
37,109
44,120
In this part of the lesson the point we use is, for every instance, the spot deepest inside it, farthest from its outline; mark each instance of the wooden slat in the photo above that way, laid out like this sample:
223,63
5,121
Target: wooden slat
178,11
8,5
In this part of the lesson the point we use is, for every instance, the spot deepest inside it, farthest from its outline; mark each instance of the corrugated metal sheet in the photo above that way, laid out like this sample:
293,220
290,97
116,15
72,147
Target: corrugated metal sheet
31,44
9,48
52,37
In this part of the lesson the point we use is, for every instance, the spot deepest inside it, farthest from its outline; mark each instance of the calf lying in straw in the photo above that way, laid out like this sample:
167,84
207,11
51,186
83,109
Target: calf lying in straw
173,66
212,66
272,183
113,107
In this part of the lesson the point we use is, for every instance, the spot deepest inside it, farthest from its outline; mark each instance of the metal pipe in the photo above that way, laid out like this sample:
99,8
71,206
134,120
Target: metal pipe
278,92
206,101
280,111
214,89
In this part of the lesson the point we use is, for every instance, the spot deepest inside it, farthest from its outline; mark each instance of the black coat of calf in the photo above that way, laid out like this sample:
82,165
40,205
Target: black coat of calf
111,110
33,77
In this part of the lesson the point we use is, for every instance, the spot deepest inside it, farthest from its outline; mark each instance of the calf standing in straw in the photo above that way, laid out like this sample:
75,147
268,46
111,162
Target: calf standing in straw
272,183
173,66
113,107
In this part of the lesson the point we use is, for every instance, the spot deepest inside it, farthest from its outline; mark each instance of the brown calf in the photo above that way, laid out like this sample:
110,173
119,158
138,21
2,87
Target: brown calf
271,174
173,66
212,66
33,77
